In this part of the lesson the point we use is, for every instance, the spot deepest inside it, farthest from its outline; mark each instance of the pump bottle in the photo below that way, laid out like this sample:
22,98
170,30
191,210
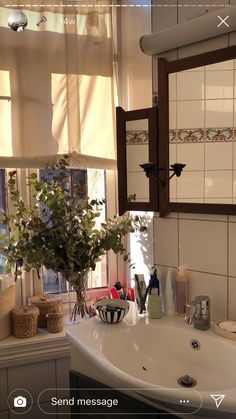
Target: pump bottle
181,291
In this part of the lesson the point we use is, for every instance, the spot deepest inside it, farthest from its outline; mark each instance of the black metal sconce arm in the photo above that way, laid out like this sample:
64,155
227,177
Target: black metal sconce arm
151,169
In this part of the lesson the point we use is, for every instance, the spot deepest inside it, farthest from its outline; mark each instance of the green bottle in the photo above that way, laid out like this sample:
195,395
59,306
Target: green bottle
154,299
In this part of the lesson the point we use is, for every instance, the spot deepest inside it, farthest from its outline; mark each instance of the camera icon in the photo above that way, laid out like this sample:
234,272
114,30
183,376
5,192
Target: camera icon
19,401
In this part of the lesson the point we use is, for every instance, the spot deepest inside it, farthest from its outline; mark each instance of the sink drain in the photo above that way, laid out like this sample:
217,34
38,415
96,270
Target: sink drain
195,344
187,381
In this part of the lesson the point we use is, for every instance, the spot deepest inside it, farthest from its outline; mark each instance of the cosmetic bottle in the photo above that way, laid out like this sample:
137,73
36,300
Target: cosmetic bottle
154,299
181,291
169,296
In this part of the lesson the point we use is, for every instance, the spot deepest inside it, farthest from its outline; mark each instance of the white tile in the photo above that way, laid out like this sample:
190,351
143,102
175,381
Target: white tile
172,86
187,13
218,201
232,247
33,377
192,155
196,69
173,189
234,118
193,200
172,153
190,85
223,65
138,183
234,156
215,287
206,217
166,241
218,184
234,183
3,389
218,156
172,115
137,125
219,84
203,245
190,185
232,298
219,113
136,155
190,114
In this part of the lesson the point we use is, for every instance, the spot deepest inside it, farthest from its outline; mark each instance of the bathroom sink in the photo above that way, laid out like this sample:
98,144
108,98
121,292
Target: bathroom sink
160,355
150,356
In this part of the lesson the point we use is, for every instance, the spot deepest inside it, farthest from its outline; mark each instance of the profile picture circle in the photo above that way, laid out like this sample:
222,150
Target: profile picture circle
17,21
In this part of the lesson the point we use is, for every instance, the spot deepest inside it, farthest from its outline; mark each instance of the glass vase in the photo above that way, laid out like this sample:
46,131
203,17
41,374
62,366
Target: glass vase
79,282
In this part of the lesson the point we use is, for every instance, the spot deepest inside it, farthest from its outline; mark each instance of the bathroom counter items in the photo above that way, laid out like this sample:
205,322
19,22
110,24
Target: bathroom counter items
226,328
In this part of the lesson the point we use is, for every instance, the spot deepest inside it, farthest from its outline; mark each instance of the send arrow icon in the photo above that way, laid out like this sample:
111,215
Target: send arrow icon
218,398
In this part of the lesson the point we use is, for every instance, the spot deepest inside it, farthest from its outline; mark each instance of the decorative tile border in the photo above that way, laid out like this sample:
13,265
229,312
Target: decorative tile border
222,134
137,137
197,135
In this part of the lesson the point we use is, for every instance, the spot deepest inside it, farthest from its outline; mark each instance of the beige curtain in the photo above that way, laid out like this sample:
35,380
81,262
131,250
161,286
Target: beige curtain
57,92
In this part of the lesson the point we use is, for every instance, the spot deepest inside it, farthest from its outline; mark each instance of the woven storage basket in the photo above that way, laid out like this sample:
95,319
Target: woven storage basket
46,304
25,321
55,322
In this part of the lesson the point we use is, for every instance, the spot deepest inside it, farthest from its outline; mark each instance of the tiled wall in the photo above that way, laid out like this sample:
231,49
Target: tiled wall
205,243
202,134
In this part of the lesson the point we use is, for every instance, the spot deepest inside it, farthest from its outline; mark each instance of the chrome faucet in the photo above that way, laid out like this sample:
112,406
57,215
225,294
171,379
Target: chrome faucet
201,315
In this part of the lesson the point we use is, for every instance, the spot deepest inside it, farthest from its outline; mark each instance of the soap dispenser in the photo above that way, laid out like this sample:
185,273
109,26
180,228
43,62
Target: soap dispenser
169,296
181,291
154,299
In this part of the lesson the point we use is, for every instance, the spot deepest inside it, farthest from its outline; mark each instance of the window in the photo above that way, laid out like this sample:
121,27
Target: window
97,183
93,185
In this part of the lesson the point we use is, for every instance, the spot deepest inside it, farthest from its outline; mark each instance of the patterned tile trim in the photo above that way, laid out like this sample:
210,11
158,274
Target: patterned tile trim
137,137
199,135
223,134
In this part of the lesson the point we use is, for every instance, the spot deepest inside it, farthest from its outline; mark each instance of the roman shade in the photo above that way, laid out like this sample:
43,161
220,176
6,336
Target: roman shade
57,87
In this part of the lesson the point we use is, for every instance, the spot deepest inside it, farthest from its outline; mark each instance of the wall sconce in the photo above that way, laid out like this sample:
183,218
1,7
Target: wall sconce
151,169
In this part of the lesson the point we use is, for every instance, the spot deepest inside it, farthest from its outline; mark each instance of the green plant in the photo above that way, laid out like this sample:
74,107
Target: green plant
60,231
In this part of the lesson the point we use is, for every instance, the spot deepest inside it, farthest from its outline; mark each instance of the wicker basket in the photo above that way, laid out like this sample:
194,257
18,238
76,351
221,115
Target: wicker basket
55,322
25,321
46,304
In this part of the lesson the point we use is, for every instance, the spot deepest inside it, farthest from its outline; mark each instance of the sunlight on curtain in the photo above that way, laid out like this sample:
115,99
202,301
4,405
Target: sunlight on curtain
61,96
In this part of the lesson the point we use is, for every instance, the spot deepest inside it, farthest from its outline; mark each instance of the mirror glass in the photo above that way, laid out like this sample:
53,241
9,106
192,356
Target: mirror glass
202,123
137,152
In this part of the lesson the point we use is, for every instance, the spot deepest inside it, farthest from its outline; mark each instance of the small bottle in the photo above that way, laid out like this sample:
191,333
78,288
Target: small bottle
154,299
181,291
169,296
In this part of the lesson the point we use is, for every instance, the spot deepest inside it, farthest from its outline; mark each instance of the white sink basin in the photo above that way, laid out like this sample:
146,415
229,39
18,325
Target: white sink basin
153,354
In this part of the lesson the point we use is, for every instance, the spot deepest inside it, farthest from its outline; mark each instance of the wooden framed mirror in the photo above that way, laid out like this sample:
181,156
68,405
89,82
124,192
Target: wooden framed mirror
197,126
137,137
